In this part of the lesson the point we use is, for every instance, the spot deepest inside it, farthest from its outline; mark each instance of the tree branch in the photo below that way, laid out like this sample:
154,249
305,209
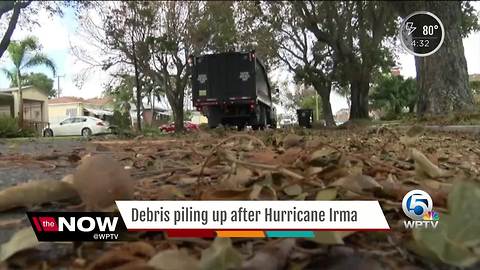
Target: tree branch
12,24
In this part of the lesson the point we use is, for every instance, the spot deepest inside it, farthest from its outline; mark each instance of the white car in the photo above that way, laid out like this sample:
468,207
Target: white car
78,125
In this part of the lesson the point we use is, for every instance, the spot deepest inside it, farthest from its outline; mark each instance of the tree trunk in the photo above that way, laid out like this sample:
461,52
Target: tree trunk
359,99
442,77
139,88
20,100
16,6
326,106
178,117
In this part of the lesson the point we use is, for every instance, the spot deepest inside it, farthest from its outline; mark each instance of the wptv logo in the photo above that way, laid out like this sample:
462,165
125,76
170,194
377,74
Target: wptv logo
417,205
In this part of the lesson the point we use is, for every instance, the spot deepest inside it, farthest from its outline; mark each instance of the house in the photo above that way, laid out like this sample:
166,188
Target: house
159,114
62,107
35,103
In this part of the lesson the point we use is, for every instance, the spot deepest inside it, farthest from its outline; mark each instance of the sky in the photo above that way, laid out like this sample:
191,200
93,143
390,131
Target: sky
56,33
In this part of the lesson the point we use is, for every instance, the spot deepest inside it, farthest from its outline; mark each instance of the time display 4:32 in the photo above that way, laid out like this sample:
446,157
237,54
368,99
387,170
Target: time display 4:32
420,43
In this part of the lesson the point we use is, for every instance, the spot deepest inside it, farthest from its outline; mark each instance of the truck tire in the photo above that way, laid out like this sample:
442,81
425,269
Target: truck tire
263,118
214,117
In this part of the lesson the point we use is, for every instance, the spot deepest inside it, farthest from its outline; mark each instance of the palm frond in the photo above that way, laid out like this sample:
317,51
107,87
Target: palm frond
30,43
40,59
18,49
16,53
9,73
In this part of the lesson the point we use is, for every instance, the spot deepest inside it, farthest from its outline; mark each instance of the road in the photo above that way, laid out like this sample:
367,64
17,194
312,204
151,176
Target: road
14,172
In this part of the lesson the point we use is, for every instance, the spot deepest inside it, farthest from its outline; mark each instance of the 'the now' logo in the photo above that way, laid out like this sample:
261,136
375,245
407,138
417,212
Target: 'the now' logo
72,224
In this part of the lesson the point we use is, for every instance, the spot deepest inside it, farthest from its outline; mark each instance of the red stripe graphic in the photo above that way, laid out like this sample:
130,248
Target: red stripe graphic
191,233
37,225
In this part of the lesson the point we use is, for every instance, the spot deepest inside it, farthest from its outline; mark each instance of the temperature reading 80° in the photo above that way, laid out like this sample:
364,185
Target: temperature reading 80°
422,33
428,30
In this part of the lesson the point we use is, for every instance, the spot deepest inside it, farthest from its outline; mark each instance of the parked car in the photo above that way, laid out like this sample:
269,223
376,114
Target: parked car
78,125
189,126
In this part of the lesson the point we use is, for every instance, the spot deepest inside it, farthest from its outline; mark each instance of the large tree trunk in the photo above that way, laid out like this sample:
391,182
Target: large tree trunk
178,117
442,77
359,99
324,93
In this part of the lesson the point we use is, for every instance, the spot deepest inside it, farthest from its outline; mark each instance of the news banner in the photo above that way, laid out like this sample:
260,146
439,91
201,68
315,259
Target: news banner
209,219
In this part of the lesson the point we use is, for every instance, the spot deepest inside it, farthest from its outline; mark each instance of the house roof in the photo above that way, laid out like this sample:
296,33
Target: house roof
99,101
12,89
66,99
93,101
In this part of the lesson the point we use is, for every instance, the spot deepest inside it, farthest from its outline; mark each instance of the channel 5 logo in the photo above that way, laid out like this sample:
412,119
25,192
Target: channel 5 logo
417,205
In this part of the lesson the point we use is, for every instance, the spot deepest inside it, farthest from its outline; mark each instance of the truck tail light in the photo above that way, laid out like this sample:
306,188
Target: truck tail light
252,107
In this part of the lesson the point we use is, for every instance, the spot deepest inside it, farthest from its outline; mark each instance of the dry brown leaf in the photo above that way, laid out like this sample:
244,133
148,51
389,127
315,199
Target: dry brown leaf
238,179
135,265
174,259
166,192
262,192
35,192
21,240
100,180
112,259
273,256
264,157
331,237
424,166
333,172
129,256
206,171
360,184
226,195
139,249
324,156
290,156
292,140
293,190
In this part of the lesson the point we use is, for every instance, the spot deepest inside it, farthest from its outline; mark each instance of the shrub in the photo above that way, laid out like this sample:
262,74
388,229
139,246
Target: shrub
151,131
8,127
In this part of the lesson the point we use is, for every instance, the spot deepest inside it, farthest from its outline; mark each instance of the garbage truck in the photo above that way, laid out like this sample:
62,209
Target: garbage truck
232,89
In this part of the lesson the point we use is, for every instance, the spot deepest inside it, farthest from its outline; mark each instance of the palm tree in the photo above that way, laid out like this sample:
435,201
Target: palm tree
25,54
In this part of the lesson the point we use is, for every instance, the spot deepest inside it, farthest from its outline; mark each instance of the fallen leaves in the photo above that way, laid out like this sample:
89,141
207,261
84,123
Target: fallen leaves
174,259
423,166
458,232
100,180
273,165
128,256
21,240
360,184
220,255
274,256
292,140
35,192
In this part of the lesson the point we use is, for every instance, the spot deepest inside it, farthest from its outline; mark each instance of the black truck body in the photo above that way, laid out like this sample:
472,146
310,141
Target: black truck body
232,89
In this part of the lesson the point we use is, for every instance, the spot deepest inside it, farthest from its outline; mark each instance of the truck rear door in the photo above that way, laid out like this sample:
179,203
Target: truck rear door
241,77
223,77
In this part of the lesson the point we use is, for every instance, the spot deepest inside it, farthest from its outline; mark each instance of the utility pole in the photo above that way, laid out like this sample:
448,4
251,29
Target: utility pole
58,84
316,106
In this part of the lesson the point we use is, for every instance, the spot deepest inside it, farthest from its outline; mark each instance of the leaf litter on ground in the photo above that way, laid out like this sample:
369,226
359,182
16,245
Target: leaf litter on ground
271,165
